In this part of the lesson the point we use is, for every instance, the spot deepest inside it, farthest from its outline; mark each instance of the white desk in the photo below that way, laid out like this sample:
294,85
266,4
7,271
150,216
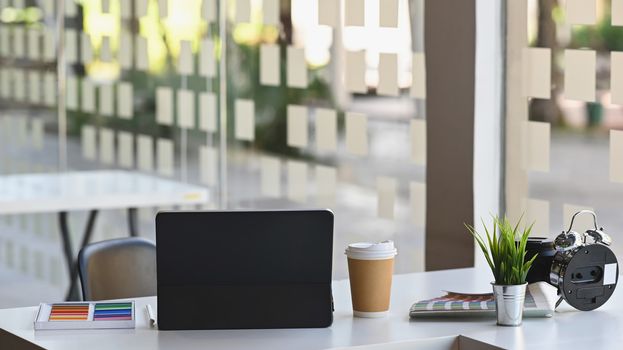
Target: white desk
92,191
568,329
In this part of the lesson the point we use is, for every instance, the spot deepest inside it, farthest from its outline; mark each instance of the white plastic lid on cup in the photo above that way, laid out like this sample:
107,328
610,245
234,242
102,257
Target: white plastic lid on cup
371,251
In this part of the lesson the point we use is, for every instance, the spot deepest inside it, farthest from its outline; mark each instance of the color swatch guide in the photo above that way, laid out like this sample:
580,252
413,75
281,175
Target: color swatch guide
85,315
112,312
69,312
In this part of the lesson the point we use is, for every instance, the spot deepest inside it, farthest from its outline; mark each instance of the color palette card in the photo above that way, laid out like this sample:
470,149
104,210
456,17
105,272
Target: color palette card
85,315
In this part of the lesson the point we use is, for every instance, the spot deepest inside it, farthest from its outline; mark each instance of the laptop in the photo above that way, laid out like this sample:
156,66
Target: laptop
244,269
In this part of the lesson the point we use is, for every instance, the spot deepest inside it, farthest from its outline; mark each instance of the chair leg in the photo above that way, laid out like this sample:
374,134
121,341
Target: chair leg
133,222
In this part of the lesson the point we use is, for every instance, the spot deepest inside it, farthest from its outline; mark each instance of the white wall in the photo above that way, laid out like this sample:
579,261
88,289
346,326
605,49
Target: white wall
488,116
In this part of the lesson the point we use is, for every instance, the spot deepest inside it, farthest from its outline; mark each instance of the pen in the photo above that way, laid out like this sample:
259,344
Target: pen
152,318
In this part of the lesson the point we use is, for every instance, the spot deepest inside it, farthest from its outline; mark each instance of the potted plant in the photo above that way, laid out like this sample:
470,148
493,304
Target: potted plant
505,251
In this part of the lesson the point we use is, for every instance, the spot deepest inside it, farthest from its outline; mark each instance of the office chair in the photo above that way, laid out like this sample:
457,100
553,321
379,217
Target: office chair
118,268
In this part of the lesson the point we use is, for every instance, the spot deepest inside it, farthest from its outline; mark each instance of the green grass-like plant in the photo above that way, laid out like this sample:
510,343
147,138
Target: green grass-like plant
506,251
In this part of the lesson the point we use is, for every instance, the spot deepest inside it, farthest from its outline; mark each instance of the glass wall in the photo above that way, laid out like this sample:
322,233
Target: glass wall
323,111
565,113
315,104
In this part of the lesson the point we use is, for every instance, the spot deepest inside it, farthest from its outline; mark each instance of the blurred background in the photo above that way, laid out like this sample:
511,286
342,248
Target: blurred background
135,70
317,103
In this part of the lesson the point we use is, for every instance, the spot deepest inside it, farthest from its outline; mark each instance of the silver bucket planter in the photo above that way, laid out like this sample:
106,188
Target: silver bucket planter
509,301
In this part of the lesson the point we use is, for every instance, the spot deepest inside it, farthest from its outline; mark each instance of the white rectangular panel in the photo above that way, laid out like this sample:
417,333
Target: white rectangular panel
125,100
537,145
297,126
581,11
537,213
71,46
417,199
19,84
417,136
34,87
105,49
326,129
71,85
185,62
125,151
34,44
270,63
418,75
5,82
49,89
88,143
244,120
186,109
107,146
164,154
270,12
207,61
87,96
616,77
357,133
297,181
106,100
145,145
537,76
19,38
48,8
164,106
125,9
86,49
140,8
141,60
326,182
388,74
354,12
580,75
386,195
355,71
270,173
5,41
49,44
243,11
71,9
328,11
208,10
208,165
296,68
124,54
207,111
617,12
388,13
163,8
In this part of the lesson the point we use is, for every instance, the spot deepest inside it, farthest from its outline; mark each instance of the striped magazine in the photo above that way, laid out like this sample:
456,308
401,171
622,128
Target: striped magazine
539,303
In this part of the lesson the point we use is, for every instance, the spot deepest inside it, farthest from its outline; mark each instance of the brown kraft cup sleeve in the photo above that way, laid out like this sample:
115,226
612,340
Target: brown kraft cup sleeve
370,284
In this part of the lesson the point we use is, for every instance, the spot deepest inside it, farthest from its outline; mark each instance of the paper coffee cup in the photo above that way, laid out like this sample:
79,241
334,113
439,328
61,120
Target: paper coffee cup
370,268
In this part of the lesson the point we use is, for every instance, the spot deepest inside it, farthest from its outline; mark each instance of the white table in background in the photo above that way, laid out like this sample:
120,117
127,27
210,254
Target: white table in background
568,329
91,191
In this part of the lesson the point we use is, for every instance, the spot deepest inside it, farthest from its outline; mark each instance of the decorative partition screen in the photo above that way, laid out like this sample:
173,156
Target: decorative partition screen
564,150
315,104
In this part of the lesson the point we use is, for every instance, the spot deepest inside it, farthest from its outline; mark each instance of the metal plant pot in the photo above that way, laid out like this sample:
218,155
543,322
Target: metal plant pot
509,300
